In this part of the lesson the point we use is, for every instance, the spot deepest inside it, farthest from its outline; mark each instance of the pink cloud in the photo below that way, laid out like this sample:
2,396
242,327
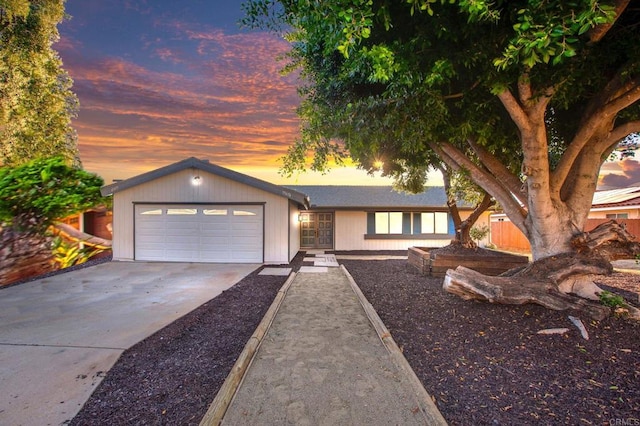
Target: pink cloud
621,174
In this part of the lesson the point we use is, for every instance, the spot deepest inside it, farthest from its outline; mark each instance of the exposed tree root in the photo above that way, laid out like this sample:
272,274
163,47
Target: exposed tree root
565,281
610,240
519,290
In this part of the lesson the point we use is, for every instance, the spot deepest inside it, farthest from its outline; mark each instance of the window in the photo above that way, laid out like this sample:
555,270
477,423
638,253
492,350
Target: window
152,212
215,212
182,212
243,213
618,216
434,223
407,223
388,223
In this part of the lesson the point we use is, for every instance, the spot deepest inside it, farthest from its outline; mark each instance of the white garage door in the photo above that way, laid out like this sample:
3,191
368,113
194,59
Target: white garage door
199,233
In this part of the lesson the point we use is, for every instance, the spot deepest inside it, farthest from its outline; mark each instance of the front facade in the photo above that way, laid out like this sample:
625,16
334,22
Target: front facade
347,218
194,211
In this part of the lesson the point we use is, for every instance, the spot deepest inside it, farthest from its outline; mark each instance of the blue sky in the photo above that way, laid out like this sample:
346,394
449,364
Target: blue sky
159,81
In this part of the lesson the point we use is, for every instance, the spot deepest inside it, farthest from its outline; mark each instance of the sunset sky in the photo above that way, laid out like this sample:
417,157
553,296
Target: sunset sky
163,80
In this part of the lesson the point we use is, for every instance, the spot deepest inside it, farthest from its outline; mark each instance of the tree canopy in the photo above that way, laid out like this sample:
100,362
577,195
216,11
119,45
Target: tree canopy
36,102
35,194
527,98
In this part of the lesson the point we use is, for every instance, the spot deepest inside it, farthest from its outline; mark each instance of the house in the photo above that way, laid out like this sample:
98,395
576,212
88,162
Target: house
195,211
622,203
96,222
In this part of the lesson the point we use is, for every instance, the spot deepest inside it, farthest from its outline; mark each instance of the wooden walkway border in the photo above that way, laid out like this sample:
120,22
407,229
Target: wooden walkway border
220,404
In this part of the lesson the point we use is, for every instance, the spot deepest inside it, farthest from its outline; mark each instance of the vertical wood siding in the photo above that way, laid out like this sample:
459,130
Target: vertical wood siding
506,236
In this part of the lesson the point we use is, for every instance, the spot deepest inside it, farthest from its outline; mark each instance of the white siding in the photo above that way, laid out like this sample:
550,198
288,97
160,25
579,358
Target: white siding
294,226
178,188
351,226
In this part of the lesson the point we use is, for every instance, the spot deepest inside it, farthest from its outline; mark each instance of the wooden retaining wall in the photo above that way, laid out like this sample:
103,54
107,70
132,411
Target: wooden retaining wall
436,264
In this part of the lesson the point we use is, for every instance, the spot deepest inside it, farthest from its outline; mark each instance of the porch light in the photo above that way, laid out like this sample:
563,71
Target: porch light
196,180
300,218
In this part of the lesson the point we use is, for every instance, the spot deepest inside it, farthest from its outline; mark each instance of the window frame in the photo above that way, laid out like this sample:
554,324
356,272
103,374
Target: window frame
411,225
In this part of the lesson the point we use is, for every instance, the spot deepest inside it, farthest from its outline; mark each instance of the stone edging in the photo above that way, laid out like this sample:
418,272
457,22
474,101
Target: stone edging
221,402
425,403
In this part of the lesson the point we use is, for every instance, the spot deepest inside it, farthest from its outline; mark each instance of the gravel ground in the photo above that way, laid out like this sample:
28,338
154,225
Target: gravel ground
482,363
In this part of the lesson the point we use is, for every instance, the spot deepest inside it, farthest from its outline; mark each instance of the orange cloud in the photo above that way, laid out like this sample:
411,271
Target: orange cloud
620,174
236,108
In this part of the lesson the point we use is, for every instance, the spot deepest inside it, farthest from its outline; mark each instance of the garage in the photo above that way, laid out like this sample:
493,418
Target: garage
196,211
199,233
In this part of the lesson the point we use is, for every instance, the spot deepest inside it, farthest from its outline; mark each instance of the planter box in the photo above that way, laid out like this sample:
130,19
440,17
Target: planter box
429,262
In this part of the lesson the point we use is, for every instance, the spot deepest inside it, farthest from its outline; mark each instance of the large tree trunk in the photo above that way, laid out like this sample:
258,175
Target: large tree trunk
564,281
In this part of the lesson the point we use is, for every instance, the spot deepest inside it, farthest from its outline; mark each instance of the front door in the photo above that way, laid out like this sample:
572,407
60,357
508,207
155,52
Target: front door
316,231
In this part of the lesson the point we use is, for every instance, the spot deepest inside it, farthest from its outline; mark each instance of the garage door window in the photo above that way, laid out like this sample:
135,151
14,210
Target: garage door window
182,212
215,212
243,213
152,212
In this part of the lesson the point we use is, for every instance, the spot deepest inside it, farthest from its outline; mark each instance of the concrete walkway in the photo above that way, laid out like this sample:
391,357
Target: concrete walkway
60,335
322,357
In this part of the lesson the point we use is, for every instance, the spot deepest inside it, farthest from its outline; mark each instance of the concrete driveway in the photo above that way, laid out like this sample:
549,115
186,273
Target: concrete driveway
60,335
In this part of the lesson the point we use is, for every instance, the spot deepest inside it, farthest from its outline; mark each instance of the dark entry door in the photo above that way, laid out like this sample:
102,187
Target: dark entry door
317,230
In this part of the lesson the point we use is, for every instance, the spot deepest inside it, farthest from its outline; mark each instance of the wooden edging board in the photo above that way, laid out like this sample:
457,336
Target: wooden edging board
218,408
425,403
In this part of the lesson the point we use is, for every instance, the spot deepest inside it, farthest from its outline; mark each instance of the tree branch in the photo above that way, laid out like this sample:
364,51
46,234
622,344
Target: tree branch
617,134
457,160
504,175
524,89
597,33
487,201
514,109
594,119
630,94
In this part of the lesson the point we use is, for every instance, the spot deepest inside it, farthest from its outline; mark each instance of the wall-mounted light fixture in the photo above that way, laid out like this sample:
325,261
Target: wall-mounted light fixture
196,180
300,218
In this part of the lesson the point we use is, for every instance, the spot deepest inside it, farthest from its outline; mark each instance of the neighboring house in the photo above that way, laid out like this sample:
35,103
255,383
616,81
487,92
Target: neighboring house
96,222
195,211
622,205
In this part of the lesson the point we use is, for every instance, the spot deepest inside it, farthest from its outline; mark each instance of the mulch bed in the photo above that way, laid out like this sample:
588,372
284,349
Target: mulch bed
482,363
486,364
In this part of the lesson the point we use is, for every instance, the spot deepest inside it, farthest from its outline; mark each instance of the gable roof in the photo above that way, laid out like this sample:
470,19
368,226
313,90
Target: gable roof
368,197
204,165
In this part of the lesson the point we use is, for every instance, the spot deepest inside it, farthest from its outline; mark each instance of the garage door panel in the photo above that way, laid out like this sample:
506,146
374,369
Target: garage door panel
222,228
246,256
214,255
199,233
182,255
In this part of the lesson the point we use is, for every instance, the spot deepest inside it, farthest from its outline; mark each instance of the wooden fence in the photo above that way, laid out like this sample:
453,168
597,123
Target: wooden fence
506,236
